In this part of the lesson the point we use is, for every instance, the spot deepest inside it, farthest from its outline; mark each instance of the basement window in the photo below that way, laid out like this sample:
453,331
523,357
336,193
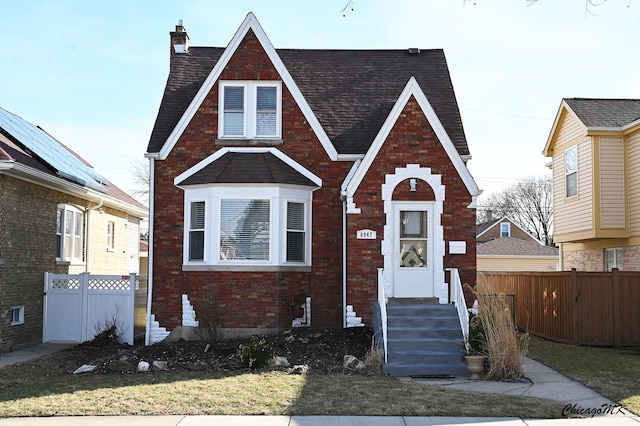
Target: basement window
17,315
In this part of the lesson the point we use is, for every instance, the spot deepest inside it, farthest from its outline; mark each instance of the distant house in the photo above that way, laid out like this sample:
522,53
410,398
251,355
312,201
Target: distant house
56,215
285,175
594,146
505,246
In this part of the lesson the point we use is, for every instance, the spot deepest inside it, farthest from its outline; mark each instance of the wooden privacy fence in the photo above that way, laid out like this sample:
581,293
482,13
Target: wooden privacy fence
584,308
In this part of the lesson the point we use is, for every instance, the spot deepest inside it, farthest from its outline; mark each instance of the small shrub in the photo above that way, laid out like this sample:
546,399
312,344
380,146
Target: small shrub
210,323
256,354
477,341
108,333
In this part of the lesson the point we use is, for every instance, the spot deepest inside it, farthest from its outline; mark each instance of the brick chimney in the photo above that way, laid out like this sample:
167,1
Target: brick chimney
179,39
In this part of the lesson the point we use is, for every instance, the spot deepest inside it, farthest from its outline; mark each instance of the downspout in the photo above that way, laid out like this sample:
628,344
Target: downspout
88,237
147,335
343,197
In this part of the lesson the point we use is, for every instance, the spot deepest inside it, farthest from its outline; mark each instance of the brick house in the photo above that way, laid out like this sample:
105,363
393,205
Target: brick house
284,174
56,215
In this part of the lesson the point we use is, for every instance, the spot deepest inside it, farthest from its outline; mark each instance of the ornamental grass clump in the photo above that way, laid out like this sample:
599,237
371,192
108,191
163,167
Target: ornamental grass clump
506,348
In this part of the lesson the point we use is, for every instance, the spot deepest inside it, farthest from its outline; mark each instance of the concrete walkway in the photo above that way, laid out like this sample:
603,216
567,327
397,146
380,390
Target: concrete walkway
543,383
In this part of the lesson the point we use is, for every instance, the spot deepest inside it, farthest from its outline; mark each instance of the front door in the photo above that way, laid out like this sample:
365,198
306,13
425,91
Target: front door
413,250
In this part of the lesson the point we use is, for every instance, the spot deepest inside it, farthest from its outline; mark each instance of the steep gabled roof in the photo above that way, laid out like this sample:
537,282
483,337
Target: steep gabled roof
618,115
605,113
349,92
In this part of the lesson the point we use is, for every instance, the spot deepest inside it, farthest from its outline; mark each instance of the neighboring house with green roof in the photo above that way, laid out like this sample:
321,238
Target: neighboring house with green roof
502,245
58,215
594,146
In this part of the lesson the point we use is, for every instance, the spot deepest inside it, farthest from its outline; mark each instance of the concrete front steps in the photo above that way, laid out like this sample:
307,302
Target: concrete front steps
424,340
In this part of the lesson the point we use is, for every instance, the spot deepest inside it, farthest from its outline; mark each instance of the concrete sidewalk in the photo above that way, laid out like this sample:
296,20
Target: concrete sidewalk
313,421
32,352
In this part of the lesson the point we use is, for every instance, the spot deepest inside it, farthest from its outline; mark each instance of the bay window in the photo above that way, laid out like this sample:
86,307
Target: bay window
69,234
234,228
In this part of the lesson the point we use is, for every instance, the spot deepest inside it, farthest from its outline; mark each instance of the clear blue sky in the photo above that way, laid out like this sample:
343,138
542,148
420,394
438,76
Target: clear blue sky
92,73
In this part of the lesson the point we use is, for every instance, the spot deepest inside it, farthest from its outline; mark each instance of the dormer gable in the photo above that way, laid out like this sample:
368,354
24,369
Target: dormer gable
411,91
249,31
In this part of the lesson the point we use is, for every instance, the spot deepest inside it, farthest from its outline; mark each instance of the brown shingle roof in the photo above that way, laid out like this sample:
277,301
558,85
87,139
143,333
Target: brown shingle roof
508,246
605,112
351,92
235,167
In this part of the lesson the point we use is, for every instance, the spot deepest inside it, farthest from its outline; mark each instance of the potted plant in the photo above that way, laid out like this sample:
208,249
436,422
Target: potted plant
476,347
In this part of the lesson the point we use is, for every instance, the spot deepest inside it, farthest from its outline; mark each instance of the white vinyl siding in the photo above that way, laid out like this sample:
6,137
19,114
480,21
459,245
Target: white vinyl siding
612,183
633,163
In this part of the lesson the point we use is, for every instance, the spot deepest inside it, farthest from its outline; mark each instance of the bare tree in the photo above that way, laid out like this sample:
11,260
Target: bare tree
527,203
141,179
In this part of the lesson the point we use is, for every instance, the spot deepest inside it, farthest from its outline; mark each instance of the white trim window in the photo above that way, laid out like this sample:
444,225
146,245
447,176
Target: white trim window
613,259
69,234
111,239
17,315
505,229
234,227
197,215
296,232
571,171
250,110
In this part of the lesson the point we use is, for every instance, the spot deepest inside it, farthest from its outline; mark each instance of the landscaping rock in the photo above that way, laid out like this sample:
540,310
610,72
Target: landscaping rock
159,365
86,368
279,362
143,366
352,363
299,369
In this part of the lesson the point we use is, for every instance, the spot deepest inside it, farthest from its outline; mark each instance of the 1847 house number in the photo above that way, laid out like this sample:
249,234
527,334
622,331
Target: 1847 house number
366,234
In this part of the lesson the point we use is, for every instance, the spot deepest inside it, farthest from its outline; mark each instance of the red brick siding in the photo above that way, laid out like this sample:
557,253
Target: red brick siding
250,299
411,134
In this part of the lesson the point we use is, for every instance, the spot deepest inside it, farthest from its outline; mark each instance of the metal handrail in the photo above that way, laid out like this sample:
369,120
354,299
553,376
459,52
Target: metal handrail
382,302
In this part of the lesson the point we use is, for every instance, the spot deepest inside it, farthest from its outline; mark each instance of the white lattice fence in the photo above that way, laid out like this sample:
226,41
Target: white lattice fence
77,307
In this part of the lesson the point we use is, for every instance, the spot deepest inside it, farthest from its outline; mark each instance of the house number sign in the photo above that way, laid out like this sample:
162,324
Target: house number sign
366,234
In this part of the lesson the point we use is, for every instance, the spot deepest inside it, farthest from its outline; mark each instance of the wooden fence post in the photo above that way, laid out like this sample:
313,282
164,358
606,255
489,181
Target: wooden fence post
615,294
575,306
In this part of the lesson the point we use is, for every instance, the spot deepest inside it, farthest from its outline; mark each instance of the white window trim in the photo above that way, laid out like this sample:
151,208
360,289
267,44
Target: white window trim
278,196
566,174
20,315
111,235
616,252
250,100
62,258
507,225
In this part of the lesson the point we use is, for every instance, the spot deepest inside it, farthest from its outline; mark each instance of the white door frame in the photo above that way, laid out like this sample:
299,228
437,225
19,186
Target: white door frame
424,175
